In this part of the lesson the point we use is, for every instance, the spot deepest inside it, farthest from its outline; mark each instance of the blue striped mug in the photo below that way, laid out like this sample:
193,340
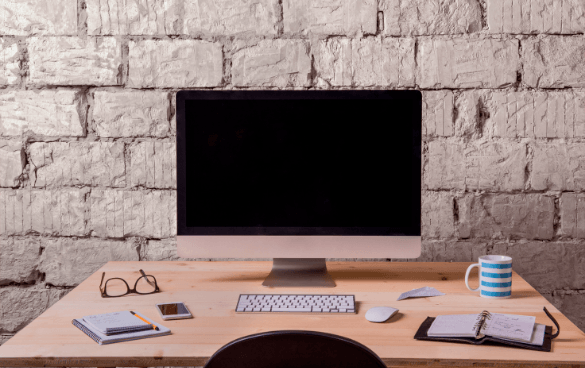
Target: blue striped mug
495,276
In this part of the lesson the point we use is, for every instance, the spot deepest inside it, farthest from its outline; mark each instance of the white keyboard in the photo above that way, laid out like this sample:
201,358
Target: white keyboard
292,303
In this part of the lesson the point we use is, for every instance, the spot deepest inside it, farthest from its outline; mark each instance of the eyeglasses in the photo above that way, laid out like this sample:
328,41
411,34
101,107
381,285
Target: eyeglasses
114,287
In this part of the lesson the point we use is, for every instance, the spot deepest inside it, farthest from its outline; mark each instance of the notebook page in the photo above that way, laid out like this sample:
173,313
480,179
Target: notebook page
537,335
454,325
509,326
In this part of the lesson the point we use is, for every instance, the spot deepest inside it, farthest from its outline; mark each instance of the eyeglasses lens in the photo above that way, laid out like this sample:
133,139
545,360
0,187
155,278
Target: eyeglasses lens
115,287
146,284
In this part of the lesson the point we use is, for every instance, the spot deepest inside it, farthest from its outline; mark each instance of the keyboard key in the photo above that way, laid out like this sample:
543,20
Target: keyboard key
291,309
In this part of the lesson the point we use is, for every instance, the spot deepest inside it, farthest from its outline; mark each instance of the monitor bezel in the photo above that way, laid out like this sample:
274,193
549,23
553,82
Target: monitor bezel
415,97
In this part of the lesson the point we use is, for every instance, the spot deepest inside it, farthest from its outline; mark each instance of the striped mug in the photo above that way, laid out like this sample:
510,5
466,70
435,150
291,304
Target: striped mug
495,276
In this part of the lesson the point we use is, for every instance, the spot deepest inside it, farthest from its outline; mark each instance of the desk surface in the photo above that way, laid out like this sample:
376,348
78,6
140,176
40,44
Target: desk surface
211,290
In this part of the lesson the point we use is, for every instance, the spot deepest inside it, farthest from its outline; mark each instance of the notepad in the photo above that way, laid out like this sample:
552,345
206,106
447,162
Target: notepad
504,326
116,322
104,339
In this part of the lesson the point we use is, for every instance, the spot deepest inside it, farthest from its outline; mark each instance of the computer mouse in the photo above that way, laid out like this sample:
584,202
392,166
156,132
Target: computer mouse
380,314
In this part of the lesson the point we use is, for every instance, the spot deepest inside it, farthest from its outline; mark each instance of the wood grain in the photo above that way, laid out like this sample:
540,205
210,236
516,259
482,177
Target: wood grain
211,290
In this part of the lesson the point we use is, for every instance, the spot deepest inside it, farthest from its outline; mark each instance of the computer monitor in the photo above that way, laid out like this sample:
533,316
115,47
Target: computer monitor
299,176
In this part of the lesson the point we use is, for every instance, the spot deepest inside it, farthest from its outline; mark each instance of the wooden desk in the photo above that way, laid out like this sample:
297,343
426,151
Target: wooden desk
211,290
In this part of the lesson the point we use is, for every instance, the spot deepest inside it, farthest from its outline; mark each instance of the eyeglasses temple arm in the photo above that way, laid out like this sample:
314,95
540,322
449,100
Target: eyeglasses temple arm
101,282
147,280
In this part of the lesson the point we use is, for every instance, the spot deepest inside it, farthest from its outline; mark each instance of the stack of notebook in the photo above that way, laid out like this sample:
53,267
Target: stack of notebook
114,327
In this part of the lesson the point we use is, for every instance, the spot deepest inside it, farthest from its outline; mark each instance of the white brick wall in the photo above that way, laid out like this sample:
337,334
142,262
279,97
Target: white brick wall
74,61
174,63
87,123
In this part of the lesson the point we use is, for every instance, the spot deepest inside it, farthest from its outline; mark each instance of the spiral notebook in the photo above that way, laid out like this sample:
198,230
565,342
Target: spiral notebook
104,339
503,326
513,330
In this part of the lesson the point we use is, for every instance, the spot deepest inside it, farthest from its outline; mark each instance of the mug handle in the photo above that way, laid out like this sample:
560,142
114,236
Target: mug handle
467,277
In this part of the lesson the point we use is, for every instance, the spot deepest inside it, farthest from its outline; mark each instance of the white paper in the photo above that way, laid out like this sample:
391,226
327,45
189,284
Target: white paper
420,292
537,335
454,325
509,326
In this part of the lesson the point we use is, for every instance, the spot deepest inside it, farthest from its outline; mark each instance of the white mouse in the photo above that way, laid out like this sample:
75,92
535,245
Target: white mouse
380,314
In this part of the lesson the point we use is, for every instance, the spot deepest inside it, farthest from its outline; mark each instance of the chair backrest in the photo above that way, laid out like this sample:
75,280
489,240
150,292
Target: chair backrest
294,349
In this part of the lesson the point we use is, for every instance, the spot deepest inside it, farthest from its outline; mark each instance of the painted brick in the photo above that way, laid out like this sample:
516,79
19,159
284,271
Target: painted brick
437,215
153,165
117,213
558,166
333,62
193,17
527,216
160,250
48,112
19,261
231,17
133,17
554,62
450,251
547,266
131,114
67,262
469,121
536,16
420,17
174,63
59,164
445,166
570,302
9,61
437,113
539,114
495,166
492,166
32,17
279,63
44,212
572,213
465,63
12,163
22,305
366,62
75,61
336,17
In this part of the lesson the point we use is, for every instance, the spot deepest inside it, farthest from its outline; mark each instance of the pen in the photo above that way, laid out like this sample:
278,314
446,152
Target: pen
153,326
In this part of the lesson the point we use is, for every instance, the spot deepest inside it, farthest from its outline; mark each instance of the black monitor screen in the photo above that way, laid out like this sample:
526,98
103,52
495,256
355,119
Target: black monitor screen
327,163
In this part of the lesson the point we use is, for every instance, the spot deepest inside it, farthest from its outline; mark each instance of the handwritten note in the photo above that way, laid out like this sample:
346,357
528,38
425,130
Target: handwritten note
509,326
454,325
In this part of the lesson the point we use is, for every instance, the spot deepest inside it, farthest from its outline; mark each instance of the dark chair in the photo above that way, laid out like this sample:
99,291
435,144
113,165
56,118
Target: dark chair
294,349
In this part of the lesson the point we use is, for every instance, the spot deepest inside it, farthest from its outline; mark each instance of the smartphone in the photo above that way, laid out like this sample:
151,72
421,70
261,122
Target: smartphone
176,310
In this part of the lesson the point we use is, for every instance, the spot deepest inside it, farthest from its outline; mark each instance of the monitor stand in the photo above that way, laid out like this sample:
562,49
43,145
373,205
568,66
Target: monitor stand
295,272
